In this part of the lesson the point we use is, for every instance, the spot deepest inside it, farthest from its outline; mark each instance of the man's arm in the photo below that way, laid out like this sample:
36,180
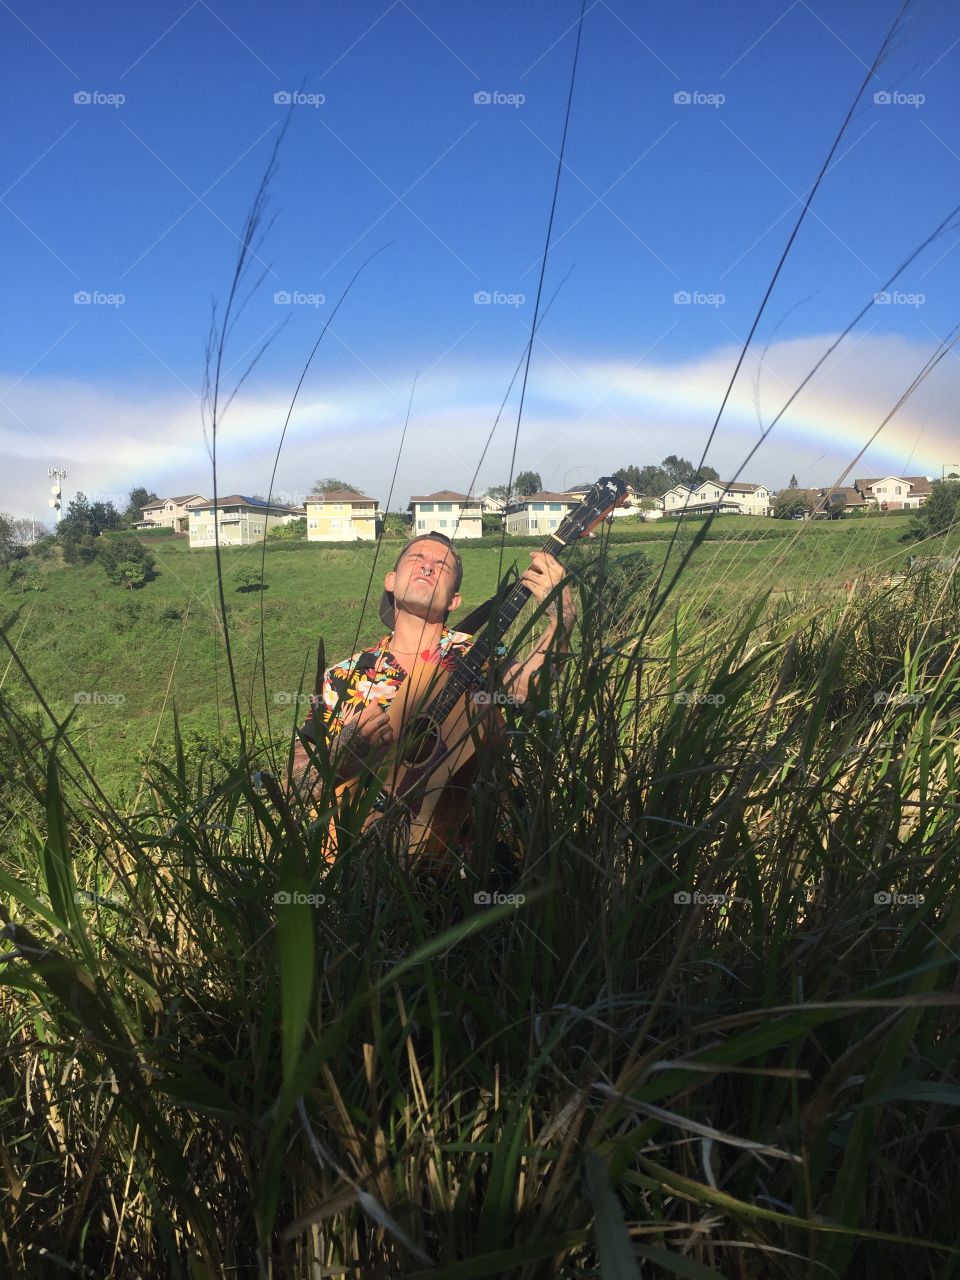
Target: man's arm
351,745
542,576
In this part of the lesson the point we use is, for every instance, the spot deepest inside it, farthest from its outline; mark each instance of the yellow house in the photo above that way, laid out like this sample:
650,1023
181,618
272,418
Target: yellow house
237,521
455,514
540,513
341,516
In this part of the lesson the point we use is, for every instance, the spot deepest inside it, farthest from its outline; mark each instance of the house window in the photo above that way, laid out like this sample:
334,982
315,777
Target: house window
556,506
425,506
444,506
313,524
538,506
442,524
899,490
553,524
421,524
334,524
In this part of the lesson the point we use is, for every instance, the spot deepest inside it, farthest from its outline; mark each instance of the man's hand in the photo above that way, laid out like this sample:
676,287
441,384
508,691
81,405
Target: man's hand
543,576
365,732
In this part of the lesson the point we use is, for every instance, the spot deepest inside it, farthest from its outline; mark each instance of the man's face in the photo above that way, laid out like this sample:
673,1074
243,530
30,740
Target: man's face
422,582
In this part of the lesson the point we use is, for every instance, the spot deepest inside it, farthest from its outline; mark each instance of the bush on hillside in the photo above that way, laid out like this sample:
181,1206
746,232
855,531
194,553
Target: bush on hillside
125,560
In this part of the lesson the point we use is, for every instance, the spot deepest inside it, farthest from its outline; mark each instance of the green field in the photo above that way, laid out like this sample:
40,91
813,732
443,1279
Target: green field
163,644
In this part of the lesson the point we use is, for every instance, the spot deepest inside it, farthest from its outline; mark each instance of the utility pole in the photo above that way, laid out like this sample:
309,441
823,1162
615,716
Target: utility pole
58,475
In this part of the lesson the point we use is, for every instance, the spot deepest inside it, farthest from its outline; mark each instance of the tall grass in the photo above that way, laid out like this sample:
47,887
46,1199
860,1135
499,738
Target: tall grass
707,1028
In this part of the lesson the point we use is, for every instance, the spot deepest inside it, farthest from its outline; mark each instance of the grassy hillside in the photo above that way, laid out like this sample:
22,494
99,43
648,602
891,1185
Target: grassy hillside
140,651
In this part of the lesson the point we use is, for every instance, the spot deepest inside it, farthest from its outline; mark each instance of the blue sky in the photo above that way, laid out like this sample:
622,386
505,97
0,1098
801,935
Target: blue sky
136,196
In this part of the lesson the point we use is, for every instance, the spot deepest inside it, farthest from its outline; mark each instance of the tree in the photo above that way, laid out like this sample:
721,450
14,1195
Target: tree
247,578
24,575
88,517
940,513
528,482
329,484
793,482
290,531
9,549
139,498
790,503
125,560
837,505
26,531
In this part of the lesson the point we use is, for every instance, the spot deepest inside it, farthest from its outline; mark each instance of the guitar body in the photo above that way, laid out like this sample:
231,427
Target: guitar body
431,763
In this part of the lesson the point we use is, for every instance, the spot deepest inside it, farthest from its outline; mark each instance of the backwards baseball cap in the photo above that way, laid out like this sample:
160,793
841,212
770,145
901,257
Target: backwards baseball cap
388,613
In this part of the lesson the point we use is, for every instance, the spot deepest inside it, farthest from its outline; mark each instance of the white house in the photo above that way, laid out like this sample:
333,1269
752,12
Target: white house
456,514
896,493
341,516
241,521
170,513
540,513
734,496
630,507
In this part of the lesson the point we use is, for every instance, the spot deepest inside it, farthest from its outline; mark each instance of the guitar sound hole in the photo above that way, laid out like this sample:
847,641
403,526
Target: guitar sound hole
421,741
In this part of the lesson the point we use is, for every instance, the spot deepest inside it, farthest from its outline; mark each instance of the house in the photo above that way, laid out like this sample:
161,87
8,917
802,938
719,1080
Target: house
540,513
341,516
896,493
824,501
170,513
492,506
456,514
733,496
241,521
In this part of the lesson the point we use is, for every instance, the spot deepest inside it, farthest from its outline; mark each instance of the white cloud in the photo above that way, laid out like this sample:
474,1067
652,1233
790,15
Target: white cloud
582,417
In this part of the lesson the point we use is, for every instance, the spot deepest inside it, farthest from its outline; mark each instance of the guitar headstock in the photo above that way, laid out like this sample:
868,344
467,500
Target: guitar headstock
607,493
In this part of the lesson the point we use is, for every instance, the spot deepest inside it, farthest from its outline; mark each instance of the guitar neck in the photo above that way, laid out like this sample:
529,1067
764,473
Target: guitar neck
467,672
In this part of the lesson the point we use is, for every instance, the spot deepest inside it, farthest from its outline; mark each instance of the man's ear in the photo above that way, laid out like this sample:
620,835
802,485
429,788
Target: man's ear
454,603
389,581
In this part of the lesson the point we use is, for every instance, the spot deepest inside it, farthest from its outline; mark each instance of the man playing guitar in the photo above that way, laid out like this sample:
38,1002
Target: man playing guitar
419,594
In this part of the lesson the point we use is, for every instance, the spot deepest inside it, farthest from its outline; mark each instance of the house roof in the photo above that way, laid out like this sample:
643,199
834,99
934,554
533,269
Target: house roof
239,500
184,497
341,495
523,499
443,495
919,484
736,486
853,496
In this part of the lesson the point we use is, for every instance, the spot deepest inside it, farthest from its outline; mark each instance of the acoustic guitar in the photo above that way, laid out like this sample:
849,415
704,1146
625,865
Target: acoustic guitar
441,717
